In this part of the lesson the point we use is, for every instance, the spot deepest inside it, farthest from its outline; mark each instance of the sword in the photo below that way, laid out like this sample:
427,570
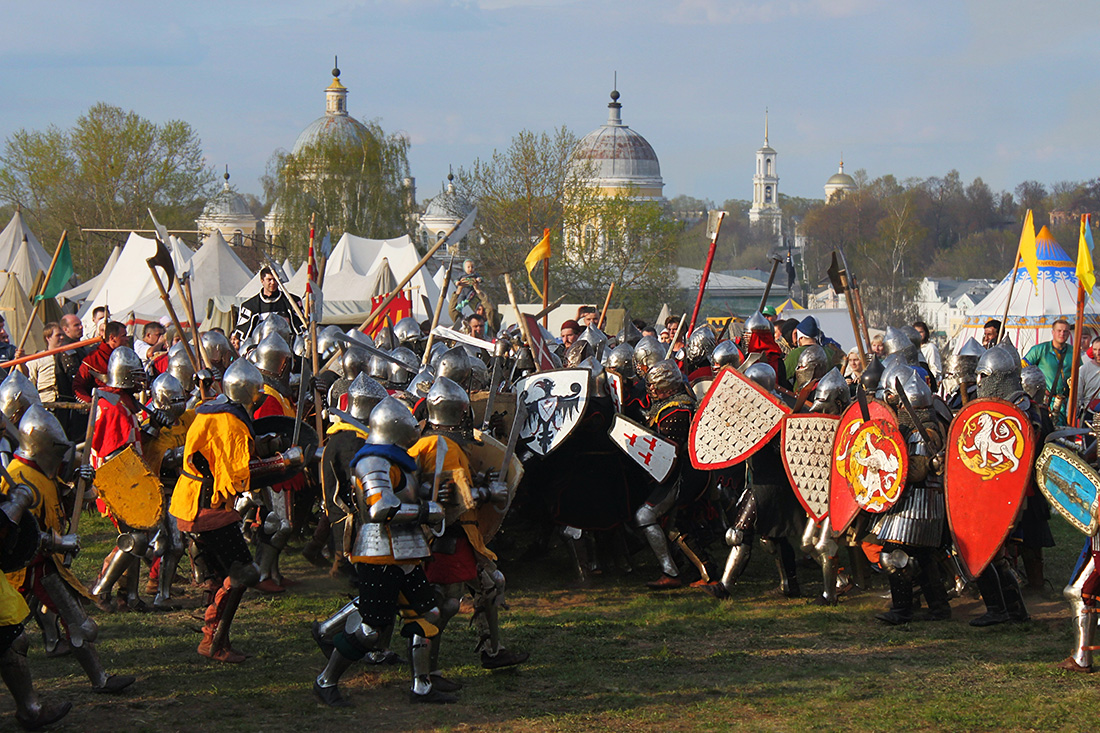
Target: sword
346,417
861,397
301,411
462,338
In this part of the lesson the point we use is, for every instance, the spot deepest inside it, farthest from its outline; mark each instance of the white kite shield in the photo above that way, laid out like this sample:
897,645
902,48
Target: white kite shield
555,402
649,450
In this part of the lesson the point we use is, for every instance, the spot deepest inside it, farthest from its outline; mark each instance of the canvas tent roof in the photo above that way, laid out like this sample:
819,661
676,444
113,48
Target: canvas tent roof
131,283
25,263
16,308
1033,309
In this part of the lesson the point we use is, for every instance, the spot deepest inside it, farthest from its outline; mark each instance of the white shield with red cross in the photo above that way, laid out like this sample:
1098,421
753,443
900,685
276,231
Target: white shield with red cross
650,451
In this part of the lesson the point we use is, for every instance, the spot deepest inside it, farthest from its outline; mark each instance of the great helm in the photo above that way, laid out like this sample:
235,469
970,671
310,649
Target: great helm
447,403
402,375
363,394
392,423
812,364
274,323
725,354
647,352
169,395
218,349
272,356
124,369
664,379
621,360
17,394
700,345
42,440
832,394
454,364
355,361
763,375
179,366
244,384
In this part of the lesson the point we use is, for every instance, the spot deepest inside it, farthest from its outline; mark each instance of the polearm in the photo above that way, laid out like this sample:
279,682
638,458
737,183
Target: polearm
162,252
768,288
311,310
603,313
189,304
277,271
50,352
676,335
37,300
1078,334
85,459
458,231
552,307
437,312
546,291
717,223
861,315
838,276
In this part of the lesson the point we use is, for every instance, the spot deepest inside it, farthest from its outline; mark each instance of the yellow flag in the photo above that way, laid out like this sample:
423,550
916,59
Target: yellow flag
1028,253
538,253
1086,274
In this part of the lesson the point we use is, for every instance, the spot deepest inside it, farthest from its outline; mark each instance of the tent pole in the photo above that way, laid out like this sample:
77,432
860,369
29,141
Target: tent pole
1008,303
1075,353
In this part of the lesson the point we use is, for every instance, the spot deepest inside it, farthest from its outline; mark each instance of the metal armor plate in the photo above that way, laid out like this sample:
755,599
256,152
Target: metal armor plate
807,442
842,501
130,490
1071,485
284,426
649,450
408,541
990,451
555,402
734,420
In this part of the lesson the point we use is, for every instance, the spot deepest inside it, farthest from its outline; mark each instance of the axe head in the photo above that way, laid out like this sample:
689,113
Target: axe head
163,260
837,275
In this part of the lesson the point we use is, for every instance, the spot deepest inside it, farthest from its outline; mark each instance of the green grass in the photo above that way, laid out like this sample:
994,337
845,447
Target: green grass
610,657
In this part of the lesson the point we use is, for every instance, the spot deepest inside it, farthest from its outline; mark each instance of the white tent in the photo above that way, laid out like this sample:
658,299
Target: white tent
90,288
25,262
216,272
131,283
1033,309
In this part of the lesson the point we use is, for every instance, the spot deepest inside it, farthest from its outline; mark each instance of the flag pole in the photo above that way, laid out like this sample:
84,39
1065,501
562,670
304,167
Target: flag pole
1078,329
37,300
546,291
1008,302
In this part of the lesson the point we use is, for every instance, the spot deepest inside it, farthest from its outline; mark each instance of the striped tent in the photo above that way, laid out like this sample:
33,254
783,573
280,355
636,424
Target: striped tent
1033,310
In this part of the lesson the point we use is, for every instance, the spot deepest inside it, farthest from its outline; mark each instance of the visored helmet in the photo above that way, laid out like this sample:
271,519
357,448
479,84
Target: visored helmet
597,380
407,332
179,366
244,384
647,352
578,352
169,395
447,403
629,333
391,423
832,394
596,338
812,364
454,364
328,341
125,370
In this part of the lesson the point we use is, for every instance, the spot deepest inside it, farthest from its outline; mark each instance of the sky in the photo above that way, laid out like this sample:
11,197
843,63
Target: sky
1001,89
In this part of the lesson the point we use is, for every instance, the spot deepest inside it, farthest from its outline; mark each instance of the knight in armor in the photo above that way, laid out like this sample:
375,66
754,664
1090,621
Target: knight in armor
389,511
912,531
217,468
271,300
30,712
118,427
831,397
17,393
163,451
1083,594
759,338
272,356
767,507
460,560
960,379
670,412
647,352
697,352
45,453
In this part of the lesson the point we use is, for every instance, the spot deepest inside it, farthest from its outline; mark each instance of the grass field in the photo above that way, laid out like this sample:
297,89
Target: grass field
612,656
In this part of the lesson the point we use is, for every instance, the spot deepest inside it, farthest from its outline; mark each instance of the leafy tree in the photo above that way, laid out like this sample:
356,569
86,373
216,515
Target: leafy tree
352,185
105,172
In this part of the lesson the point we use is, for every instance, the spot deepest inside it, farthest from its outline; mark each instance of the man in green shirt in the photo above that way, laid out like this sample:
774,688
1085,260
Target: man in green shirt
1055,360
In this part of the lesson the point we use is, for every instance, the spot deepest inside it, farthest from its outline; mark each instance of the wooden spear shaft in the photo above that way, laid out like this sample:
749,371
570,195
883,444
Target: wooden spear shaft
1074,350
436,314
606,303
50,352
172,313
37,301
311,310
189,304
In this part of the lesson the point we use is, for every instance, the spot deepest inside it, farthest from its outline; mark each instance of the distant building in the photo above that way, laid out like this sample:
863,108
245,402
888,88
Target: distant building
441,214
229,213
765,189
944,303
839,184
624,162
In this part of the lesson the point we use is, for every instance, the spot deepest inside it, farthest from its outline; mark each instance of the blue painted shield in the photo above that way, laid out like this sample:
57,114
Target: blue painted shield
1070,484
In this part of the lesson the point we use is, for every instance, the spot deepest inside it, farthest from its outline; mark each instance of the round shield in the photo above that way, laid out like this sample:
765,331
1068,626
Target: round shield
990,450
284,426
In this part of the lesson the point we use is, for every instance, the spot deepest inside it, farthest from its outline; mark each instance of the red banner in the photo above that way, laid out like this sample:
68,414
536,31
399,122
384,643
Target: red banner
400,307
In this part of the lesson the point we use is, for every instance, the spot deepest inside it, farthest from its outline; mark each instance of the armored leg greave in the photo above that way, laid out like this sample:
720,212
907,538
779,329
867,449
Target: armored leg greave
1084,618
899,571
739,538
931,581
169,546
647,518
16,674
989,585
578,550
785,564
420,661
47,621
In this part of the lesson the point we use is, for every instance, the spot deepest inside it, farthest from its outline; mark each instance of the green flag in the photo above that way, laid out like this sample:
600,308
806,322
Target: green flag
62,272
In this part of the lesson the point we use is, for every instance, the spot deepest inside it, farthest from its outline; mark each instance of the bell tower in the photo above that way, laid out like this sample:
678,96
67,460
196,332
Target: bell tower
765,188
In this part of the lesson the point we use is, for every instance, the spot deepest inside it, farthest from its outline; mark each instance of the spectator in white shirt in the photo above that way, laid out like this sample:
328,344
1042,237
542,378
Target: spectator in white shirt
151,343
929,350
1088,376
43,372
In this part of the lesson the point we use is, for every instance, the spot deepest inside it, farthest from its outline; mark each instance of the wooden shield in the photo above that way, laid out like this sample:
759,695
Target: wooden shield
990,453
1070,484
842,501
129,490
555,402
653,453
486,453
807,441
734,420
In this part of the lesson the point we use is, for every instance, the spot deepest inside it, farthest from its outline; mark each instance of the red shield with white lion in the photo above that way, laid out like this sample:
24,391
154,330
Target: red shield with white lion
990,454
